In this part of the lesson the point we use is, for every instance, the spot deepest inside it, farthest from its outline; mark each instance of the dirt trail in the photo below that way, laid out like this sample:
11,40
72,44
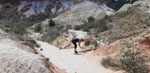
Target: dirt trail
69,62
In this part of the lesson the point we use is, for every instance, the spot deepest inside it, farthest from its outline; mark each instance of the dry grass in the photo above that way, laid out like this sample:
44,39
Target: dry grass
111,63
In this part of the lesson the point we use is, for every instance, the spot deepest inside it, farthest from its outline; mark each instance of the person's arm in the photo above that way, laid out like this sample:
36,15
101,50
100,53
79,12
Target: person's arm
79,45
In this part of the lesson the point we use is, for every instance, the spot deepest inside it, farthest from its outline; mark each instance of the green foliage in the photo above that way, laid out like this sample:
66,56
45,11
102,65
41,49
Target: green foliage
8,14
53,33
85,26
99,25
51,22
38,28
68,27
91,19
33,19
8,5
18,28
132,61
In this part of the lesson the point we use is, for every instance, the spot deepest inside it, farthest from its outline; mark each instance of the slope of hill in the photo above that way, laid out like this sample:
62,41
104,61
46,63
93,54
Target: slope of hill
131,21
134,19
18,58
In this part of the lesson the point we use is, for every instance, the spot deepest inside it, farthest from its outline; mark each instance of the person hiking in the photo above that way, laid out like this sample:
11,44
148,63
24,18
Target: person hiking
75,41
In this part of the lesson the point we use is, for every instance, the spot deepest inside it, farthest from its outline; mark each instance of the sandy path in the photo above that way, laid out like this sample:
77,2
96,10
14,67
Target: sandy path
69,62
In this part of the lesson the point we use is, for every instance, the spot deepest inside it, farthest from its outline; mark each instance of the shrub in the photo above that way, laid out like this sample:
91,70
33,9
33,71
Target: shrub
35,18
99,25
68,27
38,28
8,5
77,27
53,33
91,19
133,61
86,24
51,22
8,14
18,29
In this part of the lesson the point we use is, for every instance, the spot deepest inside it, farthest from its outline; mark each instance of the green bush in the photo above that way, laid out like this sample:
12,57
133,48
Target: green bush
77,27
51,22
91,19
8,14
68,27
8,5
85,26
38,28
18,28
132,61
33,19
99,25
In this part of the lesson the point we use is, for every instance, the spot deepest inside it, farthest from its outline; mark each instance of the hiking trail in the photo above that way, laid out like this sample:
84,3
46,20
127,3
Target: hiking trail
70,62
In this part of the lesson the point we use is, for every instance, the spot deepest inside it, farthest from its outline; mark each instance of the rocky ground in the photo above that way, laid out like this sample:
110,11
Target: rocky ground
54,53
70,62
16,57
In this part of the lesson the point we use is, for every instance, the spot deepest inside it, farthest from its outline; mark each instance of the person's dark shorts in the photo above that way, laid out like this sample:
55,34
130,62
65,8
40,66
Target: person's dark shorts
75,44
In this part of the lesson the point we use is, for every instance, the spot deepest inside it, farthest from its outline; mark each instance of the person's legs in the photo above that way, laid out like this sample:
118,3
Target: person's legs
75,48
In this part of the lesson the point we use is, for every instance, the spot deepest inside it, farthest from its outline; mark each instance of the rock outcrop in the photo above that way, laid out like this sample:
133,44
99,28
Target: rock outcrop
128,21
64,40
17,58
143,5
81,11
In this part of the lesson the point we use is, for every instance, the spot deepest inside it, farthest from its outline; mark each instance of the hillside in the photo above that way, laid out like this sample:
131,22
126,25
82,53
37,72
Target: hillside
36,35
18,58
126,23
